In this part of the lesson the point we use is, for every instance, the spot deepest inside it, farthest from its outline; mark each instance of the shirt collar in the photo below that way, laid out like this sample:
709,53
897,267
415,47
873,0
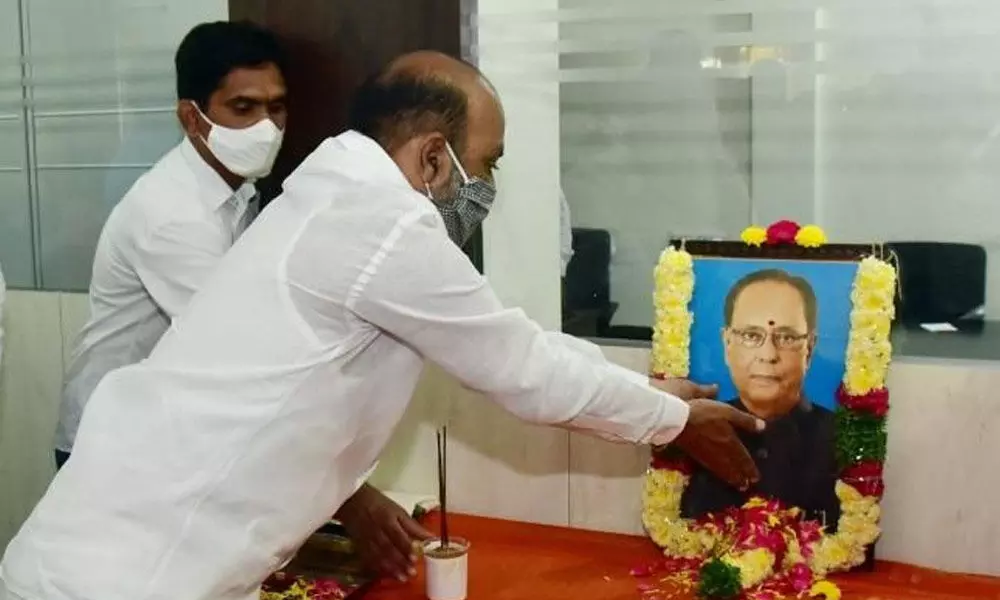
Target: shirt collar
213,189
367,159
803,407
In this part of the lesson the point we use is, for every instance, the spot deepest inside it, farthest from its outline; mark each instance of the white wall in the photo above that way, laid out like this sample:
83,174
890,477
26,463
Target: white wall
517,51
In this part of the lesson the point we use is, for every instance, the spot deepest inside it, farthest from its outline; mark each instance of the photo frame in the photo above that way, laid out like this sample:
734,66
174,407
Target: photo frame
841,298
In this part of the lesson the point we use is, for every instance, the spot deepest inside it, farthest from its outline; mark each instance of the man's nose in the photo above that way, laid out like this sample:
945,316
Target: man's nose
768,351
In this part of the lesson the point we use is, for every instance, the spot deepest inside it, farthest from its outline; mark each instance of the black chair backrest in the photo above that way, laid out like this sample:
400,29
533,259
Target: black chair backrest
588,275
940,282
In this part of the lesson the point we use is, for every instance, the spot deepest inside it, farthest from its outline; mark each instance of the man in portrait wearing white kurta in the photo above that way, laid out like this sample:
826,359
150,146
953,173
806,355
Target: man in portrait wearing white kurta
200,470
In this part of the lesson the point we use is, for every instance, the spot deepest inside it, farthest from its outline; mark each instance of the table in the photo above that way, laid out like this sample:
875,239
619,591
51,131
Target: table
519,561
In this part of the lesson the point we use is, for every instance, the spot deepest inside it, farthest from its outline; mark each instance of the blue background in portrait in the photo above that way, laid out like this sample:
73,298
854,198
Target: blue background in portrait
832,282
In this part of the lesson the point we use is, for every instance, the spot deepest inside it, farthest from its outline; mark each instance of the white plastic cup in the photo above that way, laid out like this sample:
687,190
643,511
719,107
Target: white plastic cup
447,575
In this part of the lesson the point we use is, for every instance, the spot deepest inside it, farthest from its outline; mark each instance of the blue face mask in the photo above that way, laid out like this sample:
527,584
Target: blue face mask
469,206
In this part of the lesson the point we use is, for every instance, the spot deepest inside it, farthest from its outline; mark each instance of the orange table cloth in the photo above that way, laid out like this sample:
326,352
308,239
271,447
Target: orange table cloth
519,561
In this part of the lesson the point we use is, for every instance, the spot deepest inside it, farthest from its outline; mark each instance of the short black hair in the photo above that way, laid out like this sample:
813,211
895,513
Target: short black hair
393,108
801,285
210,51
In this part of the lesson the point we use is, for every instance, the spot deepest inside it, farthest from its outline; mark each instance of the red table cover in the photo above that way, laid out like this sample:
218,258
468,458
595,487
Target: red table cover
518,561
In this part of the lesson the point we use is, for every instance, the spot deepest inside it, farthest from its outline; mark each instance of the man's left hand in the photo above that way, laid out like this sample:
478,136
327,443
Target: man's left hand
685,389
383,533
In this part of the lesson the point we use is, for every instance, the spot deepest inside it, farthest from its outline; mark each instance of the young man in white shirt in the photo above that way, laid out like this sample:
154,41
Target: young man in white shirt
203,468
167,235
173,226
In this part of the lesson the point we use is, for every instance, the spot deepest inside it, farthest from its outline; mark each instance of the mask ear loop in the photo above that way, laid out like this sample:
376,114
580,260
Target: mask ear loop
458,163
204,117
430,194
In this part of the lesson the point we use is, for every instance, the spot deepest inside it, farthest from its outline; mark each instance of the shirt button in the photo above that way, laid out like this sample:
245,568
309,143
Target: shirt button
762,454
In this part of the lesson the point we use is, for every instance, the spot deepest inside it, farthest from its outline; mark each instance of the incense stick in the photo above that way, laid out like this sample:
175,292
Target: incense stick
442,456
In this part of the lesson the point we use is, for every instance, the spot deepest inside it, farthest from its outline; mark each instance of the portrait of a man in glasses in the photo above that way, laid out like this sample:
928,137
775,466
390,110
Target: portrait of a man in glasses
768,337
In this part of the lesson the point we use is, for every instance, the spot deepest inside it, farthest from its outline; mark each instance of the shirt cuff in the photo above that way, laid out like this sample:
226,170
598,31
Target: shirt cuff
675,411
675,418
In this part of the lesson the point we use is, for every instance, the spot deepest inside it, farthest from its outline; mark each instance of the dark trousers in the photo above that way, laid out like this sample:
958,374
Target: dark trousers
61,458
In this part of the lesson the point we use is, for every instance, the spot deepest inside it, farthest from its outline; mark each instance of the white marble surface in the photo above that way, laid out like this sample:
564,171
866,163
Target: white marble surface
941,473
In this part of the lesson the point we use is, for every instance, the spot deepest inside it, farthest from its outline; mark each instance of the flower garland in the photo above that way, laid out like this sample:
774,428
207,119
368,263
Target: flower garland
784,233
282,586
763,550
674,287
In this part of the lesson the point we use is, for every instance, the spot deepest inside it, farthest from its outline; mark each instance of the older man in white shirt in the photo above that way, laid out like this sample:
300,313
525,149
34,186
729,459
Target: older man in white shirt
203,468
169,232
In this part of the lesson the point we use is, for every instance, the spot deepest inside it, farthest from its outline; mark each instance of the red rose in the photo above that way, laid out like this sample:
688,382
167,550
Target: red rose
866,477
875,402
782,232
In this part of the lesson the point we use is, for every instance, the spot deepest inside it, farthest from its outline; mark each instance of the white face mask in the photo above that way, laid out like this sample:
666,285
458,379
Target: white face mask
246,152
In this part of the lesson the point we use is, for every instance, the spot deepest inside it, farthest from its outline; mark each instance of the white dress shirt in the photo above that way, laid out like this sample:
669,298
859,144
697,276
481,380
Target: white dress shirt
203,468
157,247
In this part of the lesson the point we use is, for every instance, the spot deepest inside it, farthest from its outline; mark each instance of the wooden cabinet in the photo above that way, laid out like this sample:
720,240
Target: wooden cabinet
332,46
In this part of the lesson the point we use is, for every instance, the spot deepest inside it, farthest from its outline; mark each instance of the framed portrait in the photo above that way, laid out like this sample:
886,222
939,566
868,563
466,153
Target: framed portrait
796,335
771,329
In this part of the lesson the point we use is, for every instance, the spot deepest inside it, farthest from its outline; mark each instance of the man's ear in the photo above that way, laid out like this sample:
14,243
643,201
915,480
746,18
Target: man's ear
725,345
435,164
191,122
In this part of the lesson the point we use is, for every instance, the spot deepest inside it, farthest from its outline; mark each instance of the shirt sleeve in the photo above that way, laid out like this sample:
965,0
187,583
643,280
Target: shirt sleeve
175,260
421,289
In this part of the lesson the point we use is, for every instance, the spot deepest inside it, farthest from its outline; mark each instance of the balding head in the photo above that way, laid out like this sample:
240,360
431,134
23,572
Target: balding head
423,99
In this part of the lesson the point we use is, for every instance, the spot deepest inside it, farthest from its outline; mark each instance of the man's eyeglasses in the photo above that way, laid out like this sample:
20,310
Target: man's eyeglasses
783,340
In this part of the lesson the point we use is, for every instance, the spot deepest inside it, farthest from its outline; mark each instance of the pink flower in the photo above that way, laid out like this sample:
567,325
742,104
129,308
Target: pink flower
327,589
782,232
808,532
801,577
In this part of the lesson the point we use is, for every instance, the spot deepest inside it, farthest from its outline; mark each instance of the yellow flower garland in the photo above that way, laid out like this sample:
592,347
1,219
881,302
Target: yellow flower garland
866,367
674,285
298,591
